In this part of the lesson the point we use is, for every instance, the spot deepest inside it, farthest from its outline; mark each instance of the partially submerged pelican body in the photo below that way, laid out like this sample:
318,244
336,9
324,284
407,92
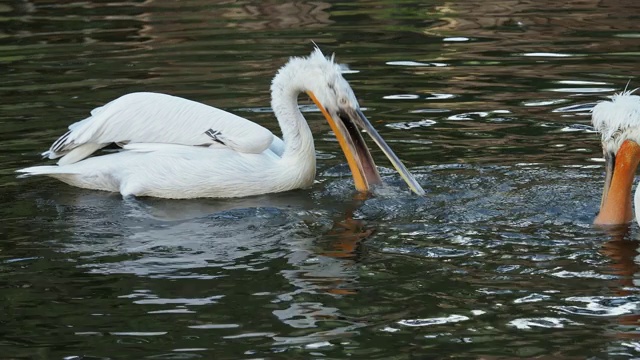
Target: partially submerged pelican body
177,148
618,121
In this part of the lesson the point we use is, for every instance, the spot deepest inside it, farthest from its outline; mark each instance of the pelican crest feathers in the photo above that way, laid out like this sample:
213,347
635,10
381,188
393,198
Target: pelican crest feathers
617,119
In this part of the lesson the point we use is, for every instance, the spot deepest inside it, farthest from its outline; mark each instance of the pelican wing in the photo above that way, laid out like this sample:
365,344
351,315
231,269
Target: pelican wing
159,118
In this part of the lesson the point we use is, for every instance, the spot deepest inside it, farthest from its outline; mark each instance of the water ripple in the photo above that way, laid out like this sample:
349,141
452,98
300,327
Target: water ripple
402,97
547,54
583,90
589,274
602,306
532,298
411,125
456,39
414,63
434,252
541,322
433,321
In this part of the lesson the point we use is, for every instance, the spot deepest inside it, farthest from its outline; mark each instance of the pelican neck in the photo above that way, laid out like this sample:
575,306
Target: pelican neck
296,133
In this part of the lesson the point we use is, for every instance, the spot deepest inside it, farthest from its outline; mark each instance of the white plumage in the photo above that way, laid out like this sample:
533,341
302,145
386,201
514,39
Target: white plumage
158,118
177,148
618,122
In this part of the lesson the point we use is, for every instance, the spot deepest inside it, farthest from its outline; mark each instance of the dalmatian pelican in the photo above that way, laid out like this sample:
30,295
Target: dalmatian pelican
618,122
177,148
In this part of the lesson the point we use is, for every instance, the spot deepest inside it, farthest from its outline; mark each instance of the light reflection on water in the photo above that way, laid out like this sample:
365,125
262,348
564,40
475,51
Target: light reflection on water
487,103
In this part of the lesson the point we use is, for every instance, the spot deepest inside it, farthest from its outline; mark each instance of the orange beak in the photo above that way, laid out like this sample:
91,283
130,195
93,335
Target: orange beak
364,171
345,125
615,207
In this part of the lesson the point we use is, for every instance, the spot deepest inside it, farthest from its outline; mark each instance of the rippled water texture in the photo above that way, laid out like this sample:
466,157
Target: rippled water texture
487,102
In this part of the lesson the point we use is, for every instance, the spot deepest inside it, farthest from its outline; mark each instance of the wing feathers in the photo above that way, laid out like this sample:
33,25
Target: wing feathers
57,147
159,118
80,152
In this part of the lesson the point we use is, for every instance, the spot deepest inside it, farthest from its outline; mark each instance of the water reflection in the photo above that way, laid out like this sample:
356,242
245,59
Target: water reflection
625,264
209,241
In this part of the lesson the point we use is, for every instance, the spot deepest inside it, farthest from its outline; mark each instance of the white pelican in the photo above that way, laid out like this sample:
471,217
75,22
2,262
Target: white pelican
177,148
618,121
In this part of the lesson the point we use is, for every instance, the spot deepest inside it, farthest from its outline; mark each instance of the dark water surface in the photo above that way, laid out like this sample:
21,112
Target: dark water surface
486,102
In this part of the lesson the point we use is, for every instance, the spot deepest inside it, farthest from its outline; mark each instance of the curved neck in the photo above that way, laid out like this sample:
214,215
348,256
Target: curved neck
296,134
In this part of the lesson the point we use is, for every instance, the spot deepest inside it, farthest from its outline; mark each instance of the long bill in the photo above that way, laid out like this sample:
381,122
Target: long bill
364,171
615,207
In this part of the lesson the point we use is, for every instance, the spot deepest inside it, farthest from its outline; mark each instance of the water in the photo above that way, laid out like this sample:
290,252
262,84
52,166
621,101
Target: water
485,101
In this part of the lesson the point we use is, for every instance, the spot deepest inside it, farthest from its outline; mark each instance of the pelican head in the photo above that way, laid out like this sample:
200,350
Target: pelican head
618,121
321,79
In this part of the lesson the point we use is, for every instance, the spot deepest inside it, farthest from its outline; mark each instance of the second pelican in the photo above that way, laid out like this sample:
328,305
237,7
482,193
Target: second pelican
618,121
177,148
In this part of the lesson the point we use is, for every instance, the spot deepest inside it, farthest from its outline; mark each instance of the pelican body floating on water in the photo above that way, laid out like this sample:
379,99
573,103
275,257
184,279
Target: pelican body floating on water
618,121
178,148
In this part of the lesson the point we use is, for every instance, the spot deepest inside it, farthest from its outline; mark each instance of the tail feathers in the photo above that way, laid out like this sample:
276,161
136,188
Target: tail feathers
42,170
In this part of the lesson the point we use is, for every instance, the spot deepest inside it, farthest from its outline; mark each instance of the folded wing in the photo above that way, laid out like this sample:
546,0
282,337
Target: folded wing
159,118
